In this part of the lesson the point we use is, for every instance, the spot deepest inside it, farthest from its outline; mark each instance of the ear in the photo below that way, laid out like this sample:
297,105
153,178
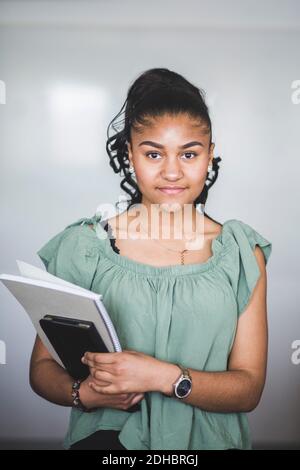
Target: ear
211,152
129,152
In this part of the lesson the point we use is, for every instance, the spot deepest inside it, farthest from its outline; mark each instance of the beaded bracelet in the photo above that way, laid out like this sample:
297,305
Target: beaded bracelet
76,398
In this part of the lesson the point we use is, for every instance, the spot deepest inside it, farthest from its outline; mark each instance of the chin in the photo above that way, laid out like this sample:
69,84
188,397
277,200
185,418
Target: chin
171,206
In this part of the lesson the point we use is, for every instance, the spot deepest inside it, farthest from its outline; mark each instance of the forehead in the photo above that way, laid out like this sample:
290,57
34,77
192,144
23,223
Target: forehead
175,127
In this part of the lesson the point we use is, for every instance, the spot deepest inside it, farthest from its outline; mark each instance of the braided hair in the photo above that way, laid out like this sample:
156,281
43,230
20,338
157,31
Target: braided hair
155,92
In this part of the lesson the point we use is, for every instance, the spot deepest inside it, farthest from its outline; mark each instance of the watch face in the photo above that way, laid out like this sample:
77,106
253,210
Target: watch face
183,387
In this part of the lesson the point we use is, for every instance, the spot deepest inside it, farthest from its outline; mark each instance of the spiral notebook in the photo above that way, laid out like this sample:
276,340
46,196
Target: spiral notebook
42,294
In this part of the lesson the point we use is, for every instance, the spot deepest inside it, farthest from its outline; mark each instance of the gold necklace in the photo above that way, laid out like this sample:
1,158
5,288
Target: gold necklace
182,252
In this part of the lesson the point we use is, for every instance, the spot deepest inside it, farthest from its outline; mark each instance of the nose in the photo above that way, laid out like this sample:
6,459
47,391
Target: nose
172,169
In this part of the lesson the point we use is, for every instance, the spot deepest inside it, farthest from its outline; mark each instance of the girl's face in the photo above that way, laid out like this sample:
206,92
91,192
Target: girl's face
175,152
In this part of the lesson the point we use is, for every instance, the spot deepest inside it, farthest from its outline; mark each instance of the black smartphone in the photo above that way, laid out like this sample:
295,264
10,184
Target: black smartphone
71,338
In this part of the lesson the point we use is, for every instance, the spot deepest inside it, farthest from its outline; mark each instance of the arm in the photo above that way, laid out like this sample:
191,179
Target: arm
51,381
240,387
47,378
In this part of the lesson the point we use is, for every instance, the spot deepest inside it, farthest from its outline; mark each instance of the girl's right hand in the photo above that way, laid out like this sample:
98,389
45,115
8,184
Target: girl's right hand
92,399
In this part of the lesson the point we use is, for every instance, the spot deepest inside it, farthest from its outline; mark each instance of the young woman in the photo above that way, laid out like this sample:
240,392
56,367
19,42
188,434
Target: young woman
192,319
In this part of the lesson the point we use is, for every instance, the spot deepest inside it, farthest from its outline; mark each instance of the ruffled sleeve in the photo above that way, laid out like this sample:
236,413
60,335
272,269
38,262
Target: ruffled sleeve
72,254
245,273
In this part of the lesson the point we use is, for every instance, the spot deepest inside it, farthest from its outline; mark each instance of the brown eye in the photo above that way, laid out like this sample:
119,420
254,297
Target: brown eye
152,153
190,153
193,154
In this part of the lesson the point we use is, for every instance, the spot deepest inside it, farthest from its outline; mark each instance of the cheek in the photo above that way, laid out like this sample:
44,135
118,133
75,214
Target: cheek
196,175
147,177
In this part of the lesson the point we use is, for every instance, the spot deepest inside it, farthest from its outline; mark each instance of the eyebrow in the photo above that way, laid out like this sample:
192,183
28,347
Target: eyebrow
159,146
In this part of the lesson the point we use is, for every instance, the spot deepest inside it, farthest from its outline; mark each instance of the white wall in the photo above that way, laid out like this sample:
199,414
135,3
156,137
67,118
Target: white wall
67,67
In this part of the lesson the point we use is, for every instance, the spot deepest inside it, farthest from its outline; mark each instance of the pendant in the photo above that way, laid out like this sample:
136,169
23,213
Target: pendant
182,256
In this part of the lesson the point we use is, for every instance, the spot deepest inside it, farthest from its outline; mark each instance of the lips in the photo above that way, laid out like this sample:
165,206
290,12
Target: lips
171,190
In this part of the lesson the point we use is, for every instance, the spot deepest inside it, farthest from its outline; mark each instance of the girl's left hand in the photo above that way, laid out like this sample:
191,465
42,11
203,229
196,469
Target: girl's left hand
123,372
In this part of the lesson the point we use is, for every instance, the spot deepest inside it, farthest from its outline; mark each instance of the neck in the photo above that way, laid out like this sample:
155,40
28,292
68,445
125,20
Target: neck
167,221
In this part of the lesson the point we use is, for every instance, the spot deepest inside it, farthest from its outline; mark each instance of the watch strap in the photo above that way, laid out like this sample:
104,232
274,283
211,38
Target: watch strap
184,371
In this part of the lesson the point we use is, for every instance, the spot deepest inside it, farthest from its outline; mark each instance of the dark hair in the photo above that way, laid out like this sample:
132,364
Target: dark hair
154,93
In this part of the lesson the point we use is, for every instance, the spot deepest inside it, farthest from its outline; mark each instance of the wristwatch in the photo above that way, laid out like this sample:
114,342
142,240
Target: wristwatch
183,385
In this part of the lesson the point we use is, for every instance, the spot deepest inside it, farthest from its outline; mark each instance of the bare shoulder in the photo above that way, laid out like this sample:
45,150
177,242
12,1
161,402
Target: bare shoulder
211,228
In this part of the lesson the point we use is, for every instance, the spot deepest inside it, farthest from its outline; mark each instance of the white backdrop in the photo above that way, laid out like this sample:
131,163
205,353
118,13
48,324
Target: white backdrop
66,67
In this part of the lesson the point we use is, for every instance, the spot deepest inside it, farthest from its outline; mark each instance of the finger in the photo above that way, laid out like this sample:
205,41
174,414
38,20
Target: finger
100,383
124,396
101,375
100,358
92,363
136,400
105,389
127,400
139,396
131,396
89,362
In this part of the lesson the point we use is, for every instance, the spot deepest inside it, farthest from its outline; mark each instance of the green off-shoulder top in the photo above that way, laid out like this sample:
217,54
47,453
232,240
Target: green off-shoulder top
183,314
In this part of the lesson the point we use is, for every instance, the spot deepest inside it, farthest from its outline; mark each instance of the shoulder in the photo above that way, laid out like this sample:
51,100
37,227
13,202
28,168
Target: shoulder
247,237
245,261
69,236
72,253
212,228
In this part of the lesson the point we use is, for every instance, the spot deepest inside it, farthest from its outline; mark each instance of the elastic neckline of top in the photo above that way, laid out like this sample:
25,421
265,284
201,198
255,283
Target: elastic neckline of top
177,270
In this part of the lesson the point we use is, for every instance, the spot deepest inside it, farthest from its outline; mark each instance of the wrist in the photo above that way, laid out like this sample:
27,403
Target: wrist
168,376
79,396
84,394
